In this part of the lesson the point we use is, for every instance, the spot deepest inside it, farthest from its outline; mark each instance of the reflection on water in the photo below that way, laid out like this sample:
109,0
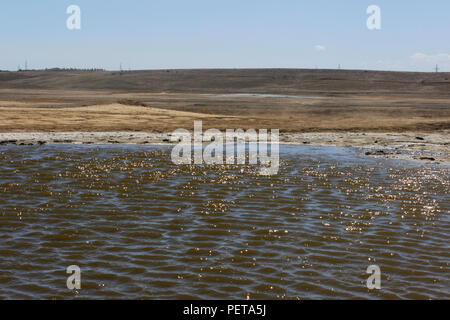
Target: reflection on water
141,227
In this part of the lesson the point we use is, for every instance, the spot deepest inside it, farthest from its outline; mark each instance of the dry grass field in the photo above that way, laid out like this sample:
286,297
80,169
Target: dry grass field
161,101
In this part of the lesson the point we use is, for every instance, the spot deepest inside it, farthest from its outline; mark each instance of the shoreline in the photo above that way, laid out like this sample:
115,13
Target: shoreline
423,147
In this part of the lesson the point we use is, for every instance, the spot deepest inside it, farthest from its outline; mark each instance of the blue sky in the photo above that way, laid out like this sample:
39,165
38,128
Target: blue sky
160,34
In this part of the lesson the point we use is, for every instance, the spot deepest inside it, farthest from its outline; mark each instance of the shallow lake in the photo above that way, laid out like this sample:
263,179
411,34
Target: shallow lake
139,226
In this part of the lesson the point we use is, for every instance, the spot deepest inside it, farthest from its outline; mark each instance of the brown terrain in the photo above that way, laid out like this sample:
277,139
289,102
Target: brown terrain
161,101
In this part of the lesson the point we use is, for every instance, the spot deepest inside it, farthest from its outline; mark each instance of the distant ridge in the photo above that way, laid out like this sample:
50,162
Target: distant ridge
277,81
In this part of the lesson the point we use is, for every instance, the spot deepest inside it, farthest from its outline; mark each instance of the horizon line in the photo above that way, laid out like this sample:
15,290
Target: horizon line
211,69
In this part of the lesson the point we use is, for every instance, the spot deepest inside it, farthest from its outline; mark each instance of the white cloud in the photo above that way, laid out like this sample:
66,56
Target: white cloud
319,48
418,56
427,62
431,58
419,61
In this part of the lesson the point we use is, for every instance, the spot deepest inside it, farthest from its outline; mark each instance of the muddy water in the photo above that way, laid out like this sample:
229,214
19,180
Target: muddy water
141,227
